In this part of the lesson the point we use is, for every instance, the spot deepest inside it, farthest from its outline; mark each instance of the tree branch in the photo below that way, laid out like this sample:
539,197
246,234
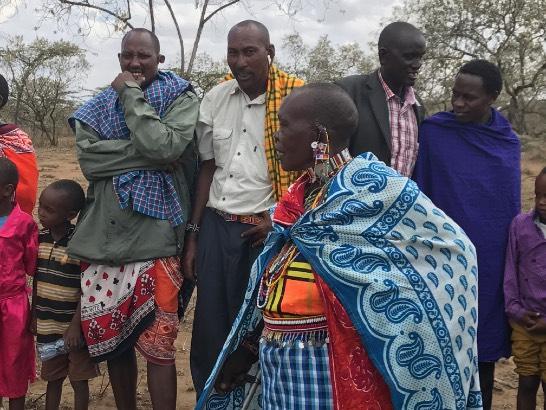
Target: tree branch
151,8
202,21
197,37
180,39
219,9
533,81
125,20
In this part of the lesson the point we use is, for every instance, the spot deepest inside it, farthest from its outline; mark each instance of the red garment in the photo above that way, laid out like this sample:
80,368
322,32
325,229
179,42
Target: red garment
120,302
290,207
18,255
16,145
356,383
404,129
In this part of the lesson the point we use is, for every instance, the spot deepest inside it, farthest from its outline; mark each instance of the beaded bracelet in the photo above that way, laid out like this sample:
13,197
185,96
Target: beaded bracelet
192,227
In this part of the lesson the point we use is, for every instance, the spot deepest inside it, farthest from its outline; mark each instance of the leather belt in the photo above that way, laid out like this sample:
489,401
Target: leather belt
245,219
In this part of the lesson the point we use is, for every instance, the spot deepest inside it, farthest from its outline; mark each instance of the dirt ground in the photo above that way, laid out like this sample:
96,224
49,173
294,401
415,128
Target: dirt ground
61,163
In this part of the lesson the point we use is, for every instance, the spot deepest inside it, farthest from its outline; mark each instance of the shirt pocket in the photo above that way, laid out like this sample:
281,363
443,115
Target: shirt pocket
221,145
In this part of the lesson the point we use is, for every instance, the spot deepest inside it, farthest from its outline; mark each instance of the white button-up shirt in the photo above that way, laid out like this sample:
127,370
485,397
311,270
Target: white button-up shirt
230,130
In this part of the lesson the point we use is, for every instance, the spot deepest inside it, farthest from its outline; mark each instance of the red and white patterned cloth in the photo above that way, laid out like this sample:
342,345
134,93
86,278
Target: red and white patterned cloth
404,129
15,139
136,303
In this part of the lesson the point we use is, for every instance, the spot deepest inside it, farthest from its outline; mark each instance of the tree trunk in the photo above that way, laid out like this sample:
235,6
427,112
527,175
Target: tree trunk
18,103
152,19
179,33
197,38
516,116
44,130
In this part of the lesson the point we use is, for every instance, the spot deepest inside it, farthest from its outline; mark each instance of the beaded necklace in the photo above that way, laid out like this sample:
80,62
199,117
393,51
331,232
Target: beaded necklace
279,264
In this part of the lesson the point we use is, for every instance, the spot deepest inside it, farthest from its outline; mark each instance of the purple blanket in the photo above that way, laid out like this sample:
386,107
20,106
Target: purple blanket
472,172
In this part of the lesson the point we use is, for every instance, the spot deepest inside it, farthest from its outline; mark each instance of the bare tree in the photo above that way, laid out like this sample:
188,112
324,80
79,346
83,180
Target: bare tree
43,77
120,17
207,72
324,61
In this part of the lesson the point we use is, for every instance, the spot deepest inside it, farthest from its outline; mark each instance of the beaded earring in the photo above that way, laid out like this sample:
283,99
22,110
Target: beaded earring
321,153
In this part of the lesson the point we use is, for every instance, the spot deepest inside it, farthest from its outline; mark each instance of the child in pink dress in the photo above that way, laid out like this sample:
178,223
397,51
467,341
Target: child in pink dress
18,255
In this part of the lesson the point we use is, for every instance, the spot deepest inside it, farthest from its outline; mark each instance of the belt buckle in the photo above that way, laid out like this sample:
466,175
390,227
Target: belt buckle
226,216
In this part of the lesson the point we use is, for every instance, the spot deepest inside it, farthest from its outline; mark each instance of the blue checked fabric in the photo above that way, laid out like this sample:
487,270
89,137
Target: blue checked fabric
151,193
295,377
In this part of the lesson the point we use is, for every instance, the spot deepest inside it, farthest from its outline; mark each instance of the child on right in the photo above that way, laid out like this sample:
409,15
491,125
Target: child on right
56,295
525,296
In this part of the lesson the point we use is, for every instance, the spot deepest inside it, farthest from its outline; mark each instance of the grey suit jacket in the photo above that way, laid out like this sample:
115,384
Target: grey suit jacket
373,133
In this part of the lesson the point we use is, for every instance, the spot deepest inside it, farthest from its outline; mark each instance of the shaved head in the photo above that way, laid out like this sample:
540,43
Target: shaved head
259,27
394,33
154,38
327,105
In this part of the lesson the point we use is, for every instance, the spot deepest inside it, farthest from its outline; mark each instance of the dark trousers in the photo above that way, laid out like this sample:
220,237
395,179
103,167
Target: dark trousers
487,379
224,261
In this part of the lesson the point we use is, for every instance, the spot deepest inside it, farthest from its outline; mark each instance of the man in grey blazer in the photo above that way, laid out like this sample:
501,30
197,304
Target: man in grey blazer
389,110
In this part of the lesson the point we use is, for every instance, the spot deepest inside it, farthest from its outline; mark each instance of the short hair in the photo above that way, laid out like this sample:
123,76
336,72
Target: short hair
4,91
73,191
8,172
253,23
391,34
155,40
488,72
331,107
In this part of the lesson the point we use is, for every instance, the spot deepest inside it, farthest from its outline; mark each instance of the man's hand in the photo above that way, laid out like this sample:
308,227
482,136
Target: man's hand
189,255
234,371
529,318
258,233
73,338
119,82
539,328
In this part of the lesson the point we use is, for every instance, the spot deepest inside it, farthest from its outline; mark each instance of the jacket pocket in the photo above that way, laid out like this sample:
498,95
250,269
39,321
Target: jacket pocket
221,145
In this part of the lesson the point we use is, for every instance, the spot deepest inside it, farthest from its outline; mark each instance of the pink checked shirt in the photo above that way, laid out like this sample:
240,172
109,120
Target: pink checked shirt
403,126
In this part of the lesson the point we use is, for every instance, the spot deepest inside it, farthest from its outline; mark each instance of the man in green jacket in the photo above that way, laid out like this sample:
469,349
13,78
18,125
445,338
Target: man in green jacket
135,147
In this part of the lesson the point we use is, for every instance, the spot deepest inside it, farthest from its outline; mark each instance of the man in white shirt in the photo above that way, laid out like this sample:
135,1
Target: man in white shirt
238,182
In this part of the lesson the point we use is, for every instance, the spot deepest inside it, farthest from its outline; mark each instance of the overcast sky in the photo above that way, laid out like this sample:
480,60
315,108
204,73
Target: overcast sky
344,21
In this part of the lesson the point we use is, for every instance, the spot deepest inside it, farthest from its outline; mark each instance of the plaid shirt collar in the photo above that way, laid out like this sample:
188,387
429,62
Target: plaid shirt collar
409,97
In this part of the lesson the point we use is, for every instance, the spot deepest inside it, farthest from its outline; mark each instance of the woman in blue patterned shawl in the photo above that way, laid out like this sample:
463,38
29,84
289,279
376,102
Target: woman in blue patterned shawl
365,295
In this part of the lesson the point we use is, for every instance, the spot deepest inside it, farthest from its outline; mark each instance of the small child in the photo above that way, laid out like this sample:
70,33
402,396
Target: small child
56,295
525,296
18,252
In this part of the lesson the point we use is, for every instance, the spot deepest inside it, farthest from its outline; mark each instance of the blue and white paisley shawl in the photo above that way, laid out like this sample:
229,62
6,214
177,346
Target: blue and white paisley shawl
406,275
151,193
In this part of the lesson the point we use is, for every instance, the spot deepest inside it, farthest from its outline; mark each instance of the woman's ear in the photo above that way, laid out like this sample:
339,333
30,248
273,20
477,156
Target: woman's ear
71,215
7,191
322,133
